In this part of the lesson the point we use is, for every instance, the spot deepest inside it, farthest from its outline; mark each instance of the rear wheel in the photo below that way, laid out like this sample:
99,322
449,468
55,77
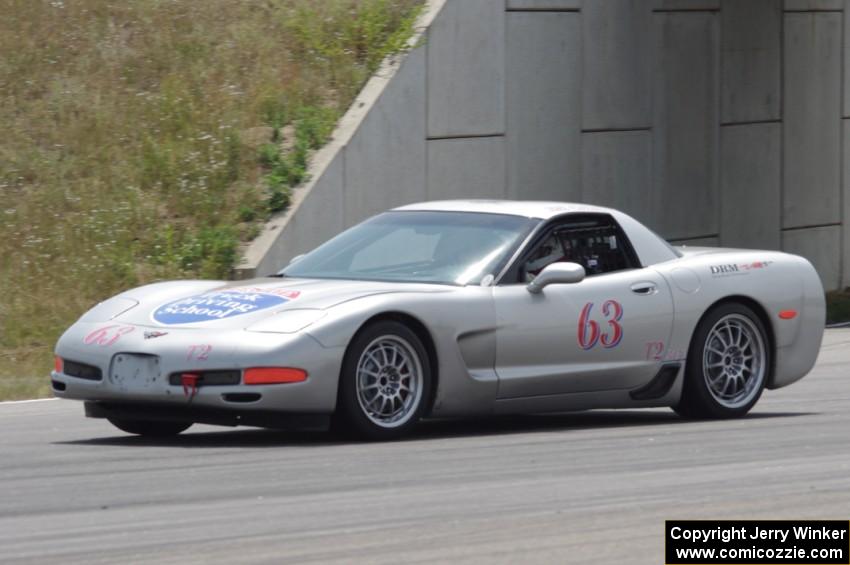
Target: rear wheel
149,428
385,383
727,366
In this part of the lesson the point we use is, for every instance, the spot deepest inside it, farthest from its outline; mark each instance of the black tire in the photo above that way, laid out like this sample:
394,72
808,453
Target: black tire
150,428
352,418
702,400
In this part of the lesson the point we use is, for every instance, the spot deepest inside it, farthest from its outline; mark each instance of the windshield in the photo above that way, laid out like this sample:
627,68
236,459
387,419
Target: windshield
437,247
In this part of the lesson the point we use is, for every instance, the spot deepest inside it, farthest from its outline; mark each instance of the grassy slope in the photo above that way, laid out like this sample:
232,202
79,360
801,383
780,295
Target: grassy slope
132,141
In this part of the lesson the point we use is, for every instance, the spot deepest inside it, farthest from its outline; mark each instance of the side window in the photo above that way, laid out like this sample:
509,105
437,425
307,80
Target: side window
595,242
548,252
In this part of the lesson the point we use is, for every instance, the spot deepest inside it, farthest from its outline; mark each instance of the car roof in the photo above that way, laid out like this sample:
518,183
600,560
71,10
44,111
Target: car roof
524,208
651,249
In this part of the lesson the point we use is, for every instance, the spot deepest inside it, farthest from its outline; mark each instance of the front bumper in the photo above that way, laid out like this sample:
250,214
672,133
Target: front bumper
176,353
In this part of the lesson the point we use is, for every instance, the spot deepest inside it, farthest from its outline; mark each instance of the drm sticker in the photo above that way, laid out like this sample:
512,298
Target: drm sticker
221,304
738,268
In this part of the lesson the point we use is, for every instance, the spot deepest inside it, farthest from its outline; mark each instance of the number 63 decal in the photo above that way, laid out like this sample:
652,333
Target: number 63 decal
589,332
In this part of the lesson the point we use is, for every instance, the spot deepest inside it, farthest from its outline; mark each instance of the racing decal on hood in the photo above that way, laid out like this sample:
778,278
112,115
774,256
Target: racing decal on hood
221,304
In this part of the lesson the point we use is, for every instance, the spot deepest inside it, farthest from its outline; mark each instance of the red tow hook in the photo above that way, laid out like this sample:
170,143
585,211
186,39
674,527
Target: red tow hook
190,384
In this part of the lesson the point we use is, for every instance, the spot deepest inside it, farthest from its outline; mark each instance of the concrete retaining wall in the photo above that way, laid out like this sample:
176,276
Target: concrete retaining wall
714,122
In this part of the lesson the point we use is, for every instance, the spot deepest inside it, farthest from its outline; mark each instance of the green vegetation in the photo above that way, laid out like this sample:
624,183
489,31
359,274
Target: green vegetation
144,141
838,306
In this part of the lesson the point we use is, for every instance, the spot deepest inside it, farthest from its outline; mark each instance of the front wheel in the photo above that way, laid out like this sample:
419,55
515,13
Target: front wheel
150,428
728,363
385,385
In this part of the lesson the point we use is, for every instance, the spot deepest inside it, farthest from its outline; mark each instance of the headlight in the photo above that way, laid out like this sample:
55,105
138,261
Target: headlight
109,309
288,321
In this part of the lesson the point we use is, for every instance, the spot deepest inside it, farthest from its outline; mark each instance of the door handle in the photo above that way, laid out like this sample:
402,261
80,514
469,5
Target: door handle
644,288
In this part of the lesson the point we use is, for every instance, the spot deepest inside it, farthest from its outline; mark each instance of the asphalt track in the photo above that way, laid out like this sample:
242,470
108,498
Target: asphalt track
581,488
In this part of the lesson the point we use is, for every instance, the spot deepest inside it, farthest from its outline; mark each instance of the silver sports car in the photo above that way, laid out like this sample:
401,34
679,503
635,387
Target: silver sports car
453,309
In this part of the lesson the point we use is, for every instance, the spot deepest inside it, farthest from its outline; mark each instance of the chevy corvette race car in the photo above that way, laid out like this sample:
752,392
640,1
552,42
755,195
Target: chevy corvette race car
453,308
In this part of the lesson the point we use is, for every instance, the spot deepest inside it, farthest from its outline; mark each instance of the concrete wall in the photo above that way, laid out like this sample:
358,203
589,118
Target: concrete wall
718,122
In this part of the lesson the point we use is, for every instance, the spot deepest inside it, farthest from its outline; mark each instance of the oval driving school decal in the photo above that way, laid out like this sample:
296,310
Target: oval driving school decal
221,304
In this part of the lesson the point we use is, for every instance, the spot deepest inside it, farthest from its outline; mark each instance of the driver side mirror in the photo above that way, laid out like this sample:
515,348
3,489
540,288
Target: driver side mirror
556,273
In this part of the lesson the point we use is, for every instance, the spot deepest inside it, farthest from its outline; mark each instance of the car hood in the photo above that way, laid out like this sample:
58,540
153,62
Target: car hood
238,304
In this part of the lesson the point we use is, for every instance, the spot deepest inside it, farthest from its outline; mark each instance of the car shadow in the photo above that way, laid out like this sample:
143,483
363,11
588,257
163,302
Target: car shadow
427,431
563,422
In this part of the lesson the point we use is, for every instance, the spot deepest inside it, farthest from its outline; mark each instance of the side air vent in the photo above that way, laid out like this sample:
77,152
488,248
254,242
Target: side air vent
660,383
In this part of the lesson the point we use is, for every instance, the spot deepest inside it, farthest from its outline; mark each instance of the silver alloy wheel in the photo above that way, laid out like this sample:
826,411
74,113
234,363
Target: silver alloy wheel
389,381
734,361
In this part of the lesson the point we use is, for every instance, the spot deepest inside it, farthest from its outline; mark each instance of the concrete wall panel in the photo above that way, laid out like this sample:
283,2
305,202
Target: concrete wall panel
617,171
821,247
544,4
751,60
466,69
750,176
846,62
318,218
466,168
845,248
687,4
685,196
812,126
544,105
811,5
321,215
495,103
617,48
385,160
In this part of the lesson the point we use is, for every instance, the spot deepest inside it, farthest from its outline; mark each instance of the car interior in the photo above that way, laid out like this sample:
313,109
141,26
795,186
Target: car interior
594,242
